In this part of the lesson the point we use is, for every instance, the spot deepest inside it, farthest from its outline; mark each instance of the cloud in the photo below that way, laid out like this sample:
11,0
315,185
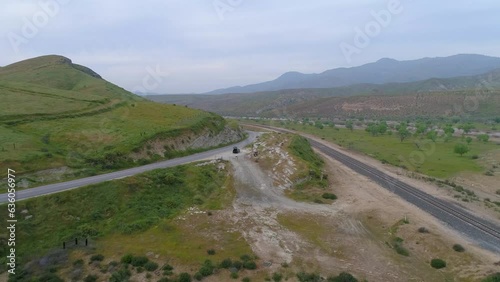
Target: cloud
255,41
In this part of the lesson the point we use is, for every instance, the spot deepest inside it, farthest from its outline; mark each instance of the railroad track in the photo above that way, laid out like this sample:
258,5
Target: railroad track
486,233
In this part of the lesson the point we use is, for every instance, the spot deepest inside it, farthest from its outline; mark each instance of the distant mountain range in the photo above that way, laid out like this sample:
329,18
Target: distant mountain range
381,72
430,97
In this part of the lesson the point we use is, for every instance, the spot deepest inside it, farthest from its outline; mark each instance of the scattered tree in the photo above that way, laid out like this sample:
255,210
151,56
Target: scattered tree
461,149
483,137
349,125
432,135
466,127
403,132
468,140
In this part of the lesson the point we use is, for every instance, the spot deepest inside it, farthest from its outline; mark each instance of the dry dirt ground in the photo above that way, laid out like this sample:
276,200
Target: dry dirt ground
355,234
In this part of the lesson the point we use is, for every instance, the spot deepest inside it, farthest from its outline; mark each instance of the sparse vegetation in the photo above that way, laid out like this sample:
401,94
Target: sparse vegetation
438,263
492,278
342,277
458,248
423,230
329,196
308,277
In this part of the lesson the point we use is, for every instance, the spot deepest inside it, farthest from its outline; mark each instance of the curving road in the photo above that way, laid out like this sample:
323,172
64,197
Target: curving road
63,186
482,231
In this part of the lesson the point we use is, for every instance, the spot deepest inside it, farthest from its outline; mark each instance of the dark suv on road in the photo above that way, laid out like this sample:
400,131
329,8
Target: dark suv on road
236,150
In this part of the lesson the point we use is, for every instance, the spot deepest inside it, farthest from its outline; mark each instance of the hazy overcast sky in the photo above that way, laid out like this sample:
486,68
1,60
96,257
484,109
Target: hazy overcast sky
208,44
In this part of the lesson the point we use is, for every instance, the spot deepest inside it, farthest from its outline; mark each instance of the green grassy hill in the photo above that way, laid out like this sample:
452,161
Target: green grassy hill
58,114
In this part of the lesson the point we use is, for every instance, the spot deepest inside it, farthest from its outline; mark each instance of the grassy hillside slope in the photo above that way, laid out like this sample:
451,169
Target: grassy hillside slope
135,215
55,113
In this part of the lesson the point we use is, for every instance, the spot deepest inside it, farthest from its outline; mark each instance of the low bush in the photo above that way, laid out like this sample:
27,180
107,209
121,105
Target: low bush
184,277
207,269
342,277
97,257
234,275
492,278
226,263
308,277
90,278
438,263
127,258
151,266
237,264
329,196
458,248
211,252
251,265
139,261
277,277
423,230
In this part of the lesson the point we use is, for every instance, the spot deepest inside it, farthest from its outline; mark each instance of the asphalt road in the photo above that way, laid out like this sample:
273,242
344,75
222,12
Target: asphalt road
63,186
480,230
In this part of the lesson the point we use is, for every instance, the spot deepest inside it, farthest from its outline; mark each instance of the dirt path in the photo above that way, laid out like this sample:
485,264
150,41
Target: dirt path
257,206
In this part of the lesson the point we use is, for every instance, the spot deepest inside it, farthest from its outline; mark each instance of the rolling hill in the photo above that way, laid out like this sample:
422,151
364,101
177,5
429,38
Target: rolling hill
380,72
431,97
56,114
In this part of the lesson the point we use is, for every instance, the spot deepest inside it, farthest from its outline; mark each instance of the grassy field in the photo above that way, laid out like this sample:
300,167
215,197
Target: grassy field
433,159
133,215
61,114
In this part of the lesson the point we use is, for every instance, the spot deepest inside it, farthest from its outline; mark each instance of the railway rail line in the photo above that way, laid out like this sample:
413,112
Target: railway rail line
484,232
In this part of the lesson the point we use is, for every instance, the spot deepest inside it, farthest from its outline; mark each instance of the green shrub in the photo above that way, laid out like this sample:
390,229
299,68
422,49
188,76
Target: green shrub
198,276
251,265
90,278
423,230
140,269
120,276
438,263
237,264
234,275
245,257
97,257
50,277
458,248
226,263
329,196
78,262
342,277
308,277
127,258
401,250
184,277
492,278
139,261
207,269
211,252
167,267
246,279
151,266
277,277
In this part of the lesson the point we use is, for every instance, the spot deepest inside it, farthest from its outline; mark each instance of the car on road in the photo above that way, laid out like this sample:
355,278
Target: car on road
236,150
